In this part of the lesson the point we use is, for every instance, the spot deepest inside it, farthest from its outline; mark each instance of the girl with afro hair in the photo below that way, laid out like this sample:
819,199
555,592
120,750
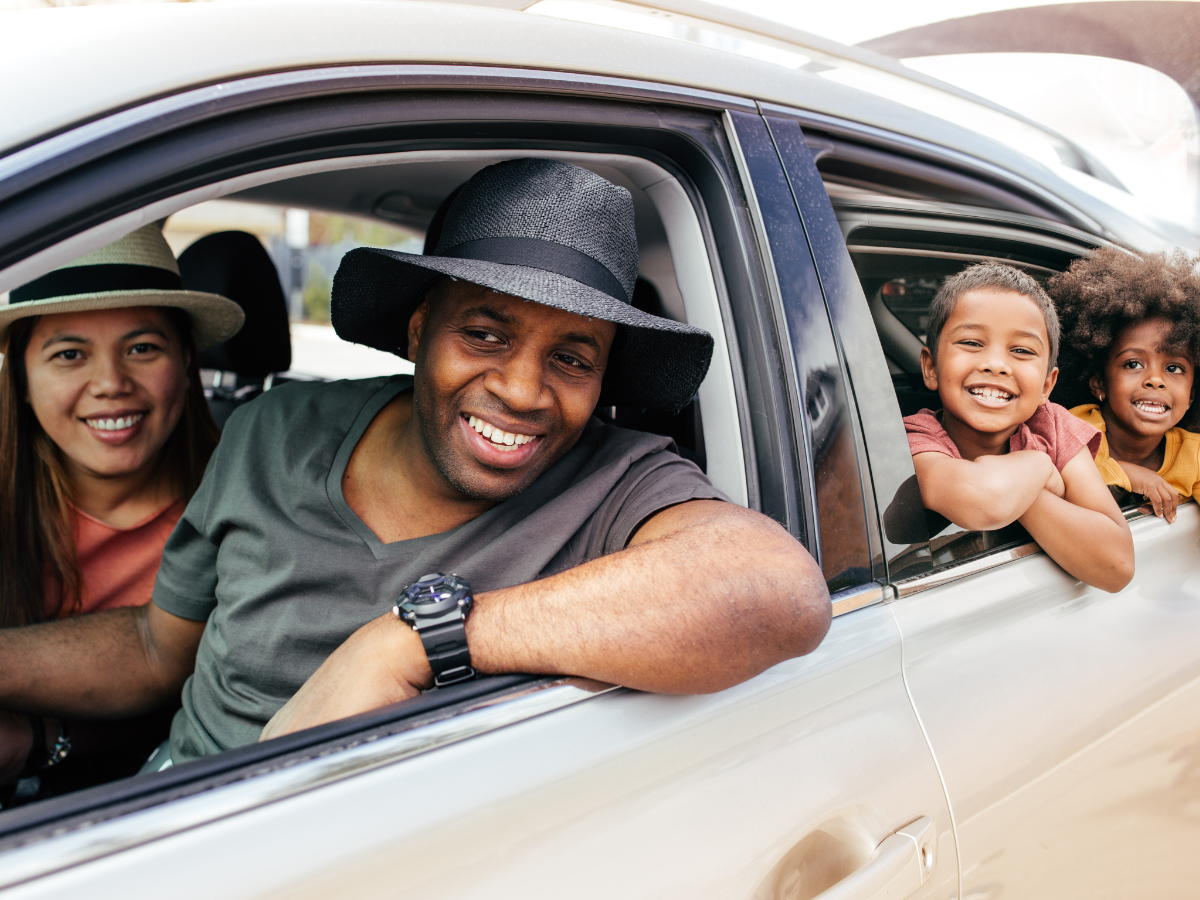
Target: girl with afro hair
1130,344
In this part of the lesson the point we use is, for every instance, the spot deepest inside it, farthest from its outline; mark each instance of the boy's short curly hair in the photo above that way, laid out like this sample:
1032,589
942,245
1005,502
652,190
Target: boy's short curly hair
1104,293
989,276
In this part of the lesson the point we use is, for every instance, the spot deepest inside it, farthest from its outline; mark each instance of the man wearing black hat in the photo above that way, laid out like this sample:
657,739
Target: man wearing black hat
354,543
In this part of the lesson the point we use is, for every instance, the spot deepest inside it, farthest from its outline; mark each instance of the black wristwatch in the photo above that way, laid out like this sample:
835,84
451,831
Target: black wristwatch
436,606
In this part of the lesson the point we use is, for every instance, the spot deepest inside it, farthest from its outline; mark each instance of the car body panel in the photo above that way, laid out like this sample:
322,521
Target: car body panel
1066,721
627,794
229,41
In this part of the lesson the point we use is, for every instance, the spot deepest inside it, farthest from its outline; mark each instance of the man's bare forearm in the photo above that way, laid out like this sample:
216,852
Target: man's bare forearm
698,608
104,665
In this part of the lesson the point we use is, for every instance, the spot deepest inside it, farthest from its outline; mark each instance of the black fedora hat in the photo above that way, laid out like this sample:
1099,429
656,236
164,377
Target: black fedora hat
549,232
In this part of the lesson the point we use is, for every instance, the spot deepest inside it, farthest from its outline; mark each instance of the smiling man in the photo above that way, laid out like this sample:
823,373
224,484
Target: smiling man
357,542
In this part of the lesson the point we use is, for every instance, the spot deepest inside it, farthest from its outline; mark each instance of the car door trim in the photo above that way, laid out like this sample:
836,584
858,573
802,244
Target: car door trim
118,128
87,840
861,596
942,156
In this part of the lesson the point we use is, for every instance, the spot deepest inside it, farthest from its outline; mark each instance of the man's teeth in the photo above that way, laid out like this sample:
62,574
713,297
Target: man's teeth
115,424
1150,406
504,440
991,393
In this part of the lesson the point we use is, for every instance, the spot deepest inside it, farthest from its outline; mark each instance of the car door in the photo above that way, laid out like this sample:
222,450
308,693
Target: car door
813,775
1063,719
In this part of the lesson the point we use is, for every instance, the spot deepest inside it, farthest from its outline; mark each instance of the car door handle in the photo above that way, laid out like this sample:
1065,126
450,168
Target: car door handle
899,865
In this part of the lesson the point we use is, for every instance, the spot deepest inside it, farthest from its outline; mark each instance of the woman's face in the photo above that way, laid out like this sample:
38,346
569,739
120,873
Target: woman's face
107,386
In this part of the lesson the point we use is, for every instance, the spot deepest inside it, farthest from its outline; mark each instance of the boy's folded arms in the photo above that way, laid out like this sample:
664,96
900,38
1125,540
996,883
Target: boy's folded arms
987,493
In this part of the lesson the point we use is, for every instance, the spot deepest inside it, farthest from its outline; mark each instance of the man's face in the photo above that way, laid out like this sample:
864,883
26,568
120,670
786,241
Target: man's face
503,386
992,368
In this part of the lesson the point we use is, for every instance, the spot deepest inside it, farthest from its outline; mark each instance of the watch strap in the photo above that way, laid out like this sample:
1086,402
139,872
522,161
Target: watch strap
446,649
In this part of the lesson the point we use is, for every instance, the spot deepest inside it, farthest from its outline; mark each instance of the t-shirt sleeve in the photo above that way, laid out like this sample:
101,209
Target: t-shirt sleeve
187,578
1065,433
652,484
926,435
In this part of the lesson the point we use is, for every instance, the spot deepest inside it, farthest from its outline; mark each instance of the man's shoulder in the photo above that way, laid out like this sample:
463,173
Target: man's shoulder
295,404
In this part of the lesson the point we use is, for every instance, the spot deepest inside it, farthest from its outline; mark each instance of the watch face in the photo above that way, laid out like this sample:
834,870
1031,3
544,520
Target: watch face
434,595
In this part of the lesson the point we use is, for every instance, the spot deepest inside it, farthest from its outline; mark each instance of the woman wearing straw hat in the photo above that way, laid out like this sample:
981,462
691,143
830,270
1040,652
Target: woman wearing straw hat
104,435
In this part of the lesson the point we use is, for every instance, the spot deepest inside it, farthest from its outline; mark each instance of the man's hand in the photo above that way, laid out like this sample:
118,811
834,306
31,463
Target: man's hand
16,742
1154,488
380,664
706,595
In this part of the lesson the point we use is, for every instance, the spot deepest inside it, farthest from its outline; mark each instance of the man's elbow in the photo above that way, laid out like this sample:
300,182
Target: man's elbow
809,608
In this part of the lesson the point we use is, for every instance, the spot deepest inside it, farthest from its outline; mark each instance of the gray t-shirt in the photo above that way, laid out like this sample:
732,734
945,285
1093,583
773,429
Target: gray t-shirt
284,571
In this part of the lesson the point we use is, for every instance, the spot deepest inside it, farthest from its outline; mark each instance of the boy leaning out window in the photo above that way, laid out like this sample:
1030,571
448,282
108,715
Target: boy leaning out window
997,451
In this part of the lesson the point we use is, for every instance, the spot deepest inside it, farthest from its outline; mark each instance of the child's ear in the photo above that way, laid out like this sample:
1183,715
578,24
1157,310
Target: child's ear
1051,381
928,369
1096,386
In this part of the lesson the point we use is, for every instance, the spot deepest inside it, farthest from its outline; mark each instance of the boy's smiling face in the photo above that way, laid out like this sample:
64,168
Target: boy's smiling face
1145,387
992,369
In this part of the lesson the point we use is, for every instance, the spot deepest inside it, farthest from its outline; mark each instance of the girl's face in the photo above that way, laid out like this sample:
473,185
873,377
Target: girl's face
1144,389
107,386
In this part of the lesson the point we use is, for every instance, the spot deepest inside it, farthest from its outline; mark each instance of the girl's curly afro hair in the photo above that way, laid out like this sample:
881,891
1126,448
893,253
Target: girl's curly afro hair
1104,293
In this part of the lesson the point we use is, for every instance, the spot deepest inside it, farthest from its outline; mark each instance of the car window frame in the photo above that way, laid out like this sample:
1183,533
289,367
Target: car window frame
712,181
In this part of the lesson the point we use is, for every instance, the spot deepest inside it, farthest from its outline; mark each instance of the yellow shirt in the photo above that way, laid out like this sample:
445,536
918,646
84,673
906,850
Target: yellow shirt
1181,456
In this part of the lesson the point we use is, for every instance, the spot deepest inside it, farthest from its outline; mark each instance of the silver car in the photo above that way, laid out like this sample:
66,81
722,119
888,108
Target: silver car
978,724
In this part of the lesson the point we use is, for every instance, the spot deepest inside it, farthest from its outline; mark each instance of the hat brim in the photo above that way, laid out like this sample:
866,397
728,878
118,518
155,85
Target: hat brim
214,318
660,363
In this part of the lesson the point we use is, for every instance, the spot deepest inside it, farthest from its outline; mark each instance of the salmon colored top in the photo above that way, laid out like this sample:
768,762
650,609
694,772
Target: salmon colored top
119,564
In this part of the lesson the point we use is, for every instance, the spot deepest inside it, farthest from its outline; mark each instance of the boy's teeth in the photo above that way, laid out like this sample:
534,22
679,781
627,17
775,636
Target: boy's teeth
502,439
115,424
991,393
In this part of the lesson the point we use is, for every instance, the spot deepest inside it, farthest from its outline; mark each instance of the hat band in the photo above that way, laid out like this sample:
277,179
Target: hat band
96,280
549,256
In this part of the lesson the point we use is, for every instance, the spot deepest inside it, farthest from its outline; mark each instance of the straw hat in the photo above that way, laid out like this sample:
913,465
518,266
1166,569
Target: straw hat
549,232
137,270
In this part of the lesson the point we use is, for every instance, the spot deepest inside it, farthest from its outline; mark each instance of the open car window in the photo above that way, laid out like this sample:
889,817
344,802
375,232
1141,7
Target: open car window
902,260
387,200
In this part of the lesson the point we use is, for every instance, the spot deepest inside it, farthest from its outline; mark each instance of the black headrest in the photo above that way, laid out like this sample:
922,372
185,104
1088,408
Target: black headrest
434,232
235,265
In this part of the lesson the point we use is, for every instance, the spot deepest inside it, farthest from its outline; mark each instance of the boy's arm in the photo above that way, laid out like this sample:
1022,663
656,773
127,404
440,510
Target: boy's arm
1084,531
986,493
1154,488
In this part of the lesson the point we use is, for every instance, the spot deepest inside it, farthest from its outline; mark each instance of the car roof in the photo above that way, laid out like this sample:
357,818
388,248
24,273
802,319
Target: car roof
77,64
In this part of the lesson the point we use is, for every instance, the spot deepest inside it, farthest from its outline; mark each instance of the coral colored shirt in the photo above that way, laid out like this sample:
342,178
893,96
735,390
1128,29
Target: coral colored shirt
1181,456
119,564
1051,429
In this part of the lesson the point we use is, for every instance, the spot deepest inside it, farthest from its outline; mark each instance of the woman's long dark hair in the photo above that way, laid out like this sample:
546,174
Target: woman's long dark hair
40,576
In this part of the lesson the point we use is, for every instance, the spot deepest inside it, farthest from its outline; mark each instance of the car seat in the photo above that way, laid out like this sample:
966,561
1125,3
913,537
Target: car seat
235,264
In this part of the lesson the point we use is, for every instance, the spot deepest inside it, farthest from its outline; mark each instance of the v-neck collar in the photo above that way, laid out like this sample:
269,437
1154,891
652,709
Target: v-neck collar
333,482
